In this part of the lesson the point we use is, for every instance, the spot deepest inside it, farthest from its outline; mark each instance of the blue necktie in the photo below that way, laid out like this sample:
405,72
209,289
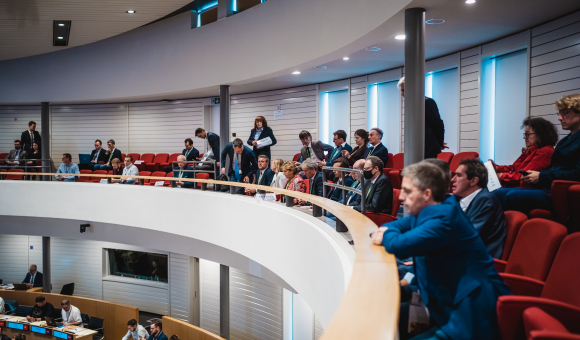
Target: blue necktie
236,167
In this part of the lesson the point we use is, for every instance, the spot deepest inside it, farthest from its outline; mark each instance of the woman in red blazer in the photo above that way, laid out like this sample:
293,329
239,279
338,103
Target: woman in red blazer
540,136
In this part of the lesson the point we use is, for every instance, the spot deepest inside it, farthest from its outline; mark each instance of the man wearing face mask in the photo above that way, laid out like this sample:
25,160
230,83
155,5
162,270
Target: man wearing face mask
378,189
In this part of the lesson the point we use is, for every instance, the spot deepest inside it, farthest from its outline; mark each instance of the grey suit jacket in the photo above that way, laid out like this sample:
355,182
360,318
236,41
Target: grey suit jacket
12,155
318,147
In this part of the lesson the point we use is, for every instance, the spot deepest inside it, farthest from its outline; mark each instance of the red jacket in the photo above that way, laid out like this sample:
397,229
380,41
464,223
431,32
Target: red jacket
531,159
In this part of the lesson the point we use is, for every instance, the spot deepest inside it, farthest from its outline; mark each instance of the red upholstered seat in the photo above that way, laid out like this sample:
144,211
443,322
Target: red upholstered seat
541,325
559,297
157,174
395,178
146,180
85,178
574,203
172,158
200,155
167,182
458,157
514,221
381,219
122,157
200,175
295,158
96,179
398,161
13,177
3,156
147,157
154,165
389,161
135,156
446,156
560,202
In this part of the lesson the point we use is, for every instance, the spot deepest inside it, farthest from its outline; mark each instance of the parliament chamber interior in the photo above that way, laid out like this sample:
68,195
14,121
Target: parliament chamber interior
313,197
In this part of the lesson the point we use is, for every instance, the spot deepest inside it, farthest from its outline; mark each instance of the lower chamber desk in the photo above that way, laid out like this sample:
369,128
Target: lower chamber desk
39,330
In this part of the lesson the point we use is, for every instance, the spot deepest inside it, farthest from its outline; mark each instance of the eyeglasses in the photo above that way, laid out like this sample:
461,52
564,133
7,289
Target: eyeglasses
563,113
527,135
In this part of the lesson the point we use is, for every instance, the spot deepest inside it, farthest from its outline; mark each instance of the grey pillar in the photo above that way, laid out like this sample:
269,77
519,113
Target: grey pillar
45,138
46,282
224,301
226,8
224,118
414,85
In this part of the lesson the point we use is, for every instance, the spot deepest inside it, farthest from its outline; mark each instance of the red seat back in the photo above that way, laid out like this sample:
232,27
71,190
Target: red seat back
144,173
173,158
98,172
535,247
457,158
167,182
12,177
446,156
574,202
398,161
135,156
157,174
560,199
389,161
3,156
395,179
379,218
514,221
307,183
294,159
122,157
147,157
396,202
200,155
83,178
161,158
562,282
201,175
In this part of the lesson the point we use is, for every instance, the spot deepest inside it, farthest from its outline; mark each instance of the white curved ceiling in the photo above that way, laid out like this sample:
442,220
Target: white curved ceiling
26,25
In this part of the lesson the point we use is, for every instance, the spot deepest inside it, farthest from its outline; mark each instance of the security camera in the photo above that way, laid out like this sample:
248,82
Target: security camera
84,227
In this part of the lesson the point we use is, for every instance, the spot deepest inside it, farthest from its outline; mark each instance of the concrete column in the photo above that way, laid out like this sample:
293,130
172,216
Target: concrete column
226,8
46,281
45,138
224,118
224,301
414,85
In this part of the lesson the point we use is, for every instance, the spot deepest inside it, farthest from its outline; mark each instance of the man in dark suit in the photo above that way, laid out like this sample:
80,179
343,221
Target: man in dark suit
33,277
97,155
310,168
333,193
379,191
434,126
16,156
456,276
177,172
482,208
190,153
111,153
240,162
377,148
213,141
263,176
341,144
30,136
310,149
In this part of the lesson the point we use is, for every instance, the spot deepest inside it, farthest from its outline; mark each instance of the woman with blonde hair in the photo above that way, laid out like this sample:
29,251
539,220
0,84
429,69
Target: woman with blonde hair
294,181
279,179
261,131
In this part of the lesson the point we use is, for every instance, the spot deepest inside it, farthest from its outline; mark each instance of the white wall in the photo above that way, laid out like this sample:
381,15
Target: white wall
13,121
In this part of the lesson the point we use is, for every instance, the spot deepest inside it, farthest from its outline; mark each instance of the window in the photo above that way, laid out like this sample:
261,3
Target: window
334,114
384,112
443,87
138,265
503,106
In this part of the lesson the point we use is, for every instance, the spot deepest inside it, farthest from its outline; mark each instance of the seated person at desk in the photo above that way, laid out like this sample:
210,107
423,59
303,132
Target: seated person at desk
16,155
263,176
157,330
335,194
130,170
377,148
40,310
190,153
67,167
33,278
71,315
110,154
379,191
117,171
136,331
97,155
183,174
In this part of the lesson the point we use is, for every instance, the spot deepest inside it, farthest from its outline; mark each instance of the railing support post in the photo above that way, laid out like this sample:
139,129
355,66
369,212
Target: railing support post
203,186
289,201
141,181
340,226
109,180
233,189
316,211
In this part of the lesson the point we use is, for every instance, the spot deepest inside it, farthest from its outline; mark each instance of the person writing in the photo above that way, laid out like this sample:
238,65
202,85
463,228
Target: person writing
135,331
261,131
361,138
71,315
540,137
40,310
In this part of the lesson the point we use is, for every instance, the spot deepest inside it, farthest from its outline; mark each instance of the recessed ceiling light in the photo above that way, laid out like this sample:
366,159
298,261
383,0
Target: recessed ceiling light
131,11
470,1
400,37
321,67
296,72
345,58
61,24
435,21
60,37
373,49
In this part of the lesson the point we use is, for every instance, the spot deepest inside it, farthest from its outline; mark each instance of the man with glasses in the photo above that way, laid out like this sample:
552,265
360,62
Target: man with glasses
377,148
71,315
17,155
263,176
378,189
310,149
33,277
110,154
97,155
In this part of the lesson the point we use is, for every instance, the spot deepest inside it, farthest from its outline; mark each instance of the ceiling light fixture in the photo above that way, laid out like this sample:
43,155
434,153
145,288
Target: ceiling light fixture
400,37
131,11
321,67
373,49
60,37
61,24
296,72
435,21
345,58
470,1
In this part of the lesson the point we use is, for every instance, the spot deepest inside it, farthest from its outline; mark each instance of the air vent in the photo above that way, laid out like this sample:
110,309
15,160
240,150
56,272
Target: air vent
60,32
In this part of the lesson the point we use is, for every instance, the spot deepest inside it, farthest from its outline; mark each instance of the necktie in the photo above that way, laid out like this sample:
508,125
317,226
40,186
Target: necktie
32,278
354,185
96,155
372,148
187,153
236,167
334,153
260,179
16,155
111,155
369,190
309,153
31,138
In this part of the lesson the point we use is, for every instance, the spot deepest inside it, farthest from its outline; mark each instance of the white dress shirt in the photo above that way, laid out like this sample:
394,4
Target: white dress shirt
130,170
139,332
73,315
466,201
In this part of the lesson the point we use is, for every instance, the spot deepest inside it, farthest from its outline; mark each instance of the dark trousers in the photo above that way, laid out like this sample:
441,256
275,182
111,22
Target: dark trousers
103,167
524,199
239,190
87,166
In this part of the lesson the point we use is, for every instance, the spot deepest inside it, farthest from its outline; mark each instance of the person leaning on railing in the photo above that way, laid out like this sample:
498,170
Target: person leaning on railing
67,167
294,180
456,275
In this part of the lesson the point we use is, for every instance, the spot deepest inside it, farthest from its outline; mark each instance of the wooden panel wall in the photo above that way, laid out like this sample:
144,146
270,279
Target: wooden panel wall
469,112
186,331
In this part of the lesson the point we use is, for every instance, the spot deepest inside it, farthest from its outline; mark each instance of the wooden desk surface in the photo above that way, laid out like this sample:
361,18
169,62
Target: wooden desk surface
32,290
82,334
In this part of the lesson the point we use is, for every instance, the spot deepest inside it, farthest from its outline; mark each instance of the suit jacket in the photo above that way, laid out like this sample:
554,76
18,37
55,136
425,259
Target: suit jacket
337,153
352,199
335,194
102,155
27,142
184,174
318,148
486,214
248,166
357,153
12,154
380,151
315,184
266,179
380,196
266,132
37,279
161,336
565,162
193,154
116,154
434,129
458,281
214,141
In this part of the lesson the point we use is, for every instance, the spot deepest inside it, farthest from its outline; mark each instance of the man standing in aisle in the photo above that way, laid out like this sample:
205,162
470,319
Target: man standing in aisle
434,126
240,162
30,136
213,147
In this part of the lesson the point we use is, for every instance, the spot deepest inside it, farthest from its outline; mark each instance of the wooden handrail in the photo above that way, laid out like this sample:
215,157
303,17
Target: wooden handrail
185,330
370,306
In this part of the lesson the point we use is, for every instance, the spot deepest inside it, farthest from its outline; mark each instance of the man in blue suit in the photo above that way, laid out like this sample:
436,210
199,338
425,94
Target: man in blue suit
177,172
341,144
456,276
377,148
482,208
263,176
240,162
